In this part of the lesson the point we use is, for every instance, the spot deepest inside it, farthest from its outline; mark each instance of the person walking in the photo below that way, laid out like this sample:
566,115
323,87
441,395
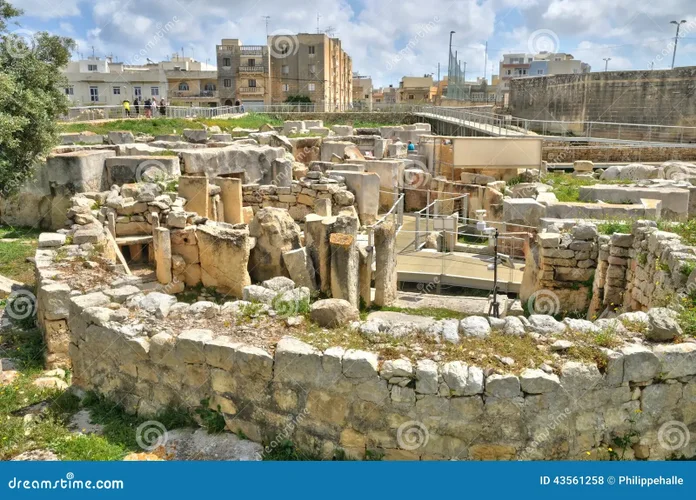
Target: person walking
163,107
136,103
126,108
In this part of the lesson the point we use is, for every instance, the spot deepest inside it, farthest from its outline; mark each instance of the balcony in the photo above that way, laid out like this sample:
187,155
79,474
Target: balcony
193,93
250,90
253,69
251,49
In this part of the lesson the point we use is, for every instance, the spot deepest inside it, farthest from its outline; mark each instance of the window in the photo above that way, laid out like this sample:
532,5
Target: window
117,90
183,86
311,49
137,92
311,87
410,96
284,49
540,72
154,91
252,83
286,87
227,82
69,91
509,72
94,94
226,61
91,67
285,69
209,87
251,62
312,69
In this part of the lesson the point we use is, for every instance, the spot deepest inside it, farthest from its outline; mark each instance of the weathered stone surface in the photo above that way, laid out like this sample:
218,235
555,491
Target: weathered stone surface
640,363
276,233
475,326
360,364
333,312
256,293
51,240
676,360
297,362
396,368
545,325
224,255
301,267
533,381
503,386
158,304
426,376
462,379
662,325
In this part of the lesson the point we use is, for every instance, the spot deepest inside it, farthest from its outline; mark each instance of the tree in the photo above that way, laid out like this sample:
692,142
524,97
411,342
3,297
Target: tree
32,97
298,99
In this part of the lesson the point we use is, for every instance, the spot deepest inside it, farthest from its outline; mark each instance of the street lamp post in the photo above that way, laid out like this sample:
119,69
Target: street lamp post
676,39
606,63
449,65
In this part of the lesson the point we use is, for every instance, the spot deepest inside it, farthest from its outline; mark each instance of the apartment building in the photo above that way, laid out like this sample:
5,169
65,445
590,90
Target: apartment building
190,82
417,90
362,93
96,81
244,73
310,66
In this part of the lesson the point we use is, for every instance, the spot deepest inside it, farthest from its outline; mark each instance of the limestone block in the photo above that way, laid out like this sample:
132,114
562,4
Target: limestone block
55,300
224,255
385,264
231,195
333,312
360,364
344,268
197,136
662,325
158,304
533,381
301,267
396,368
163,255
297,362
640,363
195,191
51,240
322,206
503,386
275,232
462,380
583,166
426,376
190,345
676,360
475,326
523,211
219,352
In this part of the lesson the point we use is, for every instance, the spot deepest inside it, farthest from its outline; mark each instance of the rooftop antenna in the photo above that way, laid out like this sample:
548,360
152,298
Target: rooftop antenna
266,18
318,17
92,51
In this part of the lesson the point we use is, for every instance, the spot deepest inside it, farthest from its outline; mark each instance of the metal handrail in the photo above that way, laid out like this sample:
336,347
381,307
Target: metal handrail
397,213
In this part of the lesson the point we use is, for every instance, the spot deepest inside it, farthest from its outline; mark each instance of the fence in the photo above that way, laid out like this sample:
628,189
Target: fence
510,125
95,113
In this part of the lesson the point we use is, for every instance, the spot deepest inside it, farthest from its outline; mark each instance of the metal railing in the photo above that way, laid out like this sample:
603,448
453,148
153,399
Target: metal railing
114,112
507,125
253,69
396,213
187,93
431,215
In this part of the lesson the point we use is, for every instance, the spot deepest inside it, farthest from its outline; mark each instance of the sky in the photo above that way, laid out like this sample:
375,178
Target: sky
386,39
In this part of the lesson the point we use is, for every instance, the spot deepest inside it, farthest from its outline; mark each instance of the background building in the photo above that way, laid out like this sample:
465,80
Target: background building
244,73
190,82
417,89
97,81
310,66
362,92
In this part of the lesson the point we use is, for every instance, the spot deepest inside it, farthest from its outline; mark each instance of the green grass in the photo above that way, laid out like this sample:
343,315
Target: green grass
614,226
567,188
433,312
13,255
163,126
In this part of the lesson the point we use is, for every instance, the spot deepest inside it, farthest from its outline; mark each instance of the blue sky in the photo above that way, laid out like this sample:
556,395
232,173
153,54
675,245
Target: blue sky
386,39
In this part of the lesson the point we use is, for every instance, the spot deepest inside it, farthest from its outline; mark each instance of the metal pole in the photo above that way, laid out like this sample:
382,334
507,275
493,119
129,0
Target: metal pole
676,40
494,309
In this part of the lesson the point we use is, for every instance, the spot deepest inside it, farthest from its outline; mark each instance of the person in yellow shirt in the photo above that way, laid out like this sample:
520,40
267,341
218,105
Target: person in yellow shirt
126,108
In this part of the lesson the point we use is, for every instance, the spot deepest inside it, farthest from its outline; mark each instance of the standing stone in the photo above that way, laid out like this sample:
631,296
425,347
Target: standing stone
275,233
385,268
231,194
224,256
163,255
322,206
366,256
195,191
282,172
344,268
301,268
317,231
111,223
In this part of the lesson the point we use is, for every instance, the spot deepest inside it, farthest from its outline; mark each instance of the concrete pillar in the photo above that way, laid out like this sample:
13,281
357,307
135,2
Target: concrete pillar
111,223
322,206
385,264
366,256
317,232
195,191
344,268
231,194
163,255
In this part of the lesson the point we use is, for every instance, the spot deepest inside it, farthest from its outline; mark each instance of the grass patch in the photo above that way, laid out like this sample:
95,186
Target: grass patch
687,230
610,227
433,312
567,188
164,126
473,240
13,254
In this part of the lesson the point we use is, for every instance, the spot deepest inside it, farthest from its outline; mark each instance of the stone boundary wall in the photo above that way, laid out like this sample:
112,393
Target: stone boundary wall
354,400
384,118
300,199
615,153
